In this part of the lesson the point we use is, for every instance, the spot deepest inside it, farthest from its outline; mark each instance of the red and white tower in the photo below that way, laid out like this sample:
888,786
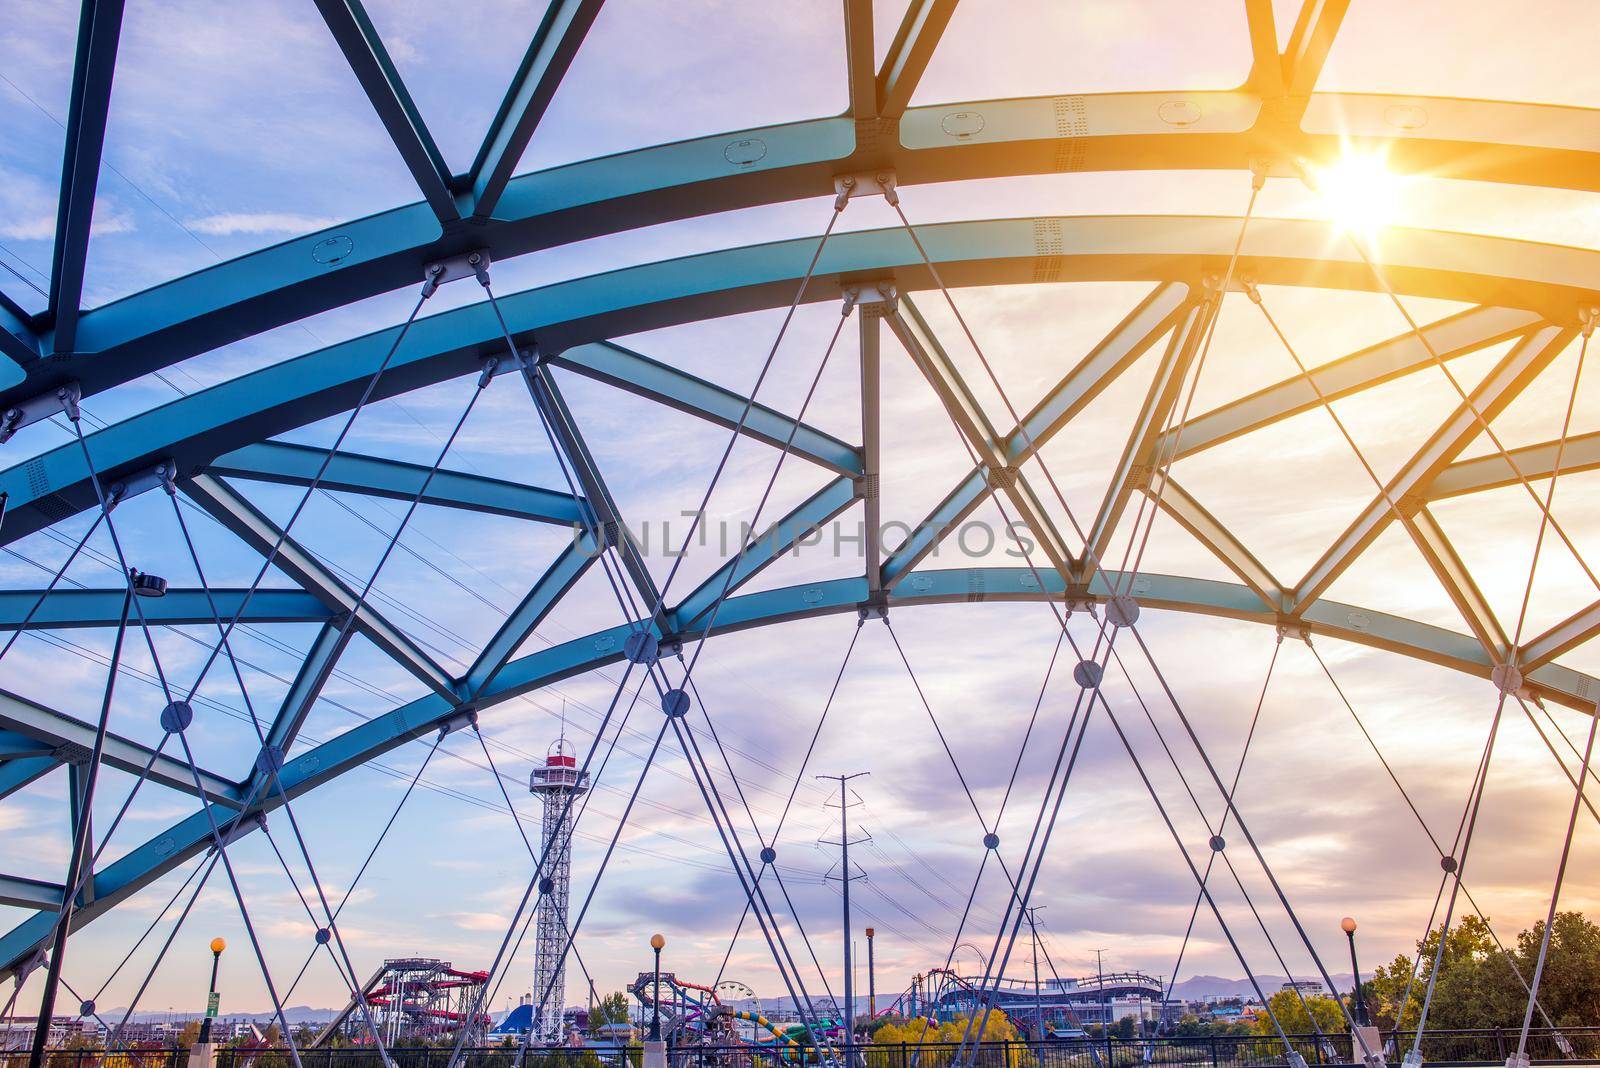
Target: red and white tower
557,783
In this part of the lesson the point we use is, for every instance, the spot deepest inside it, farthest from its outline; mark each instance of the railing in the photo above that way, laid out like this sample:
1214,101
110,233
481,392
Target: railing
1440,1049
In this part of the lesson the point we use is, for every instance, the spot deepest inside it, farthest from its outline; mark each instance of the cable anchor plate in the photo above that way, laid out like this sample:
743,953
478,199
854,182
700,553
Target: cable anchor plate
62,400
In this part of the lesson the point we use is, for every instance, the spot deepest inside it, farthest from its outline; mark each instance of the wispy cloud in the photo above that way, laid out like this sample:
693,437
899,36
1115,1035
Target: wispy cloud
259,222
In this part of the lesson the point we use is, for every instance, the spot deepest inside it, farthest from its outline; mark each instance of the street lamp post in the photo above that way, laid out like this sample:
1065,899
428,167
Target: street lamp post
1349,926
217,946
656,943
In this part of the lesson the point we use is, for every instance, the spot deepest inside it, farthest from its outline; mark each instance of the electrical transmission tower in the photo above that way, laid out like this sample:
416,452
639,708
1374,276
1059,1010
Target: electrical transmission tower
845,879
557,783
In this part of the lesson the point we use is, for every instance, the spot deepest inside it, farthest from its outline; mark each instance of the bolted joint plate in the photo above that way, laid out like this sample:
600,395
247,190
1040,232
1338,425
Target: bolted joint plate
60,400
474,264
877,296
158,474
875,183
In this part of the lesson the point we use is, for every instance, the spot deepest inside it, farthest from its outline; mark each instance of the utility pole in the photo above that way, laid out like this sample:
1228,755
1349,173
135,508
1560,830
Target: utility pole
1038,994
872,981
1100,979
845,879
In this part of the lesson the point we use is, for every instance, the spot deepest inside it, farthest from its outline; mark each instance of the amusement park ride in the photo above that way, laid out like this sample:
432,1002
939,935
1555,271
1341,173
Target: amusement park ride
413,999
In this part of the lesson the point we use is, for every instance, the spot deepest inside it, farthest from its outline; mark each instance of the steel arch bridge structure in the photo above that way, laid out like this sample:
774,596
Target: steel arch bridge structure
215,443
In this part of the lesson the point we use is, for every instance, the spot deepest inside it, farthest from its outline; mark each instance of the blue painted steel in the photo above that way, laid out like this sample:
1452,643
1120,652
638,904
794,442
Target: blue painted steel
194,430
19,345
71,740
315,668
644,377
557,579
561,31
926,536
99,30
766,547
15,774
13,745
297,465
369,60
546,666
102,608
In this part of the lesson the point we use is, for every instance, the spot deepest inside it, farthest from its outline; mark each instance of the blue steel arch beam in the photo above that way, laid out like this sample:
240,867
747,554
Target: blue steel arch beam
99,31
67,609
420,718
1550,280
298,465
1528,144
369,60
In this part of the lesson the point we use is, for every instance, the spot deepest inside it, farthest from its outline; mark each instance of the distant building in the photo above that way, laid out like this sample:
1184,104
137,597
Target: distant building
1092,1000
1307,987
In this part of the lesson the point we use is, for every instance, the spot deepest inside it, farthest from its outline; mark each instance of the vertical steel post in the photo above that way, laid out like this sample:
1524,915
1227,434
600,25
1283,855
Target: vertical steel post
872,983
80,847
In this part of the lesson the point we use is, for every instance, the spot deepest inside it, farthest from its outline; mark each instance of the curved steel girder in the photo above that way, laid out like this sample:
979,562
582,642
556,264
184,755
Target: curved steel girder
1530,144
102,608
1551,280
300,465
423,716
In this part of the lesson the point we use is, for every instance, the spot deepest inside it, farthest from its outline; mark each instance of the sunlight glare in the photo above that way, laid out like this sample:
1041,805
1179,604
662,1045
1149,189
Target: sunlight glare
1359,192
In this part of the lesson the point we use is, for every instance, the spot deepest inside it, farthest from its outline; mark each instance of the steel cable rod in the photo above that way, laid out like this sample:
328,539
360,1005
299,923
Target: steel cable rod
1587,317
1555,894
1368,1053
455,1053
268,761
799,776
1455,846
144,626
944,742
755,895
177,924
1043,828
1027,734
50,588
788,971
1238,772
1216,834
776,874
1559,759
594,885
173,900
1195,872
316,481
1423,823
372,852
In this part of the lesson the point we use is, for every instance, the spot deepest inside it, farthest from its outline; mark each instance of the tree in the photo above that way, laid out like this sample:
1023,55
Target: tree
611,1009
1293,1018
1475,988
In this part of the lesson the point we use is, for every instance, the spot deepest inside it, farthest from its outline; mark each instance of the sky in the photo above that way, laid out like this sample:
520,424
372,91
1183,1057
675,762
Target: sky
233,127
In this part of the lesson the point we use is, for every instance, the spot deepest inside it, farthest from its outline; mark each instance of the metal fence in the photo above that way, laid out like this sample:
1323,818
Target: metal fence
1440,1049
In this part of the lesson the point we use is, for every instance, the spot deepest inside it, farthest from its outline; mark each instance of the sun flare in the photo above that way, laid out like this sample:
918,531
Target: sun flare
1359,192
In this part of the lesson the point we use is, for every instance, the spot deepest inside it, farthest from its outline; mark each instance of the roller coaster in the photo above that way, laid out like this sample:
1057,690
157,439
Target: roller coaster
692,1014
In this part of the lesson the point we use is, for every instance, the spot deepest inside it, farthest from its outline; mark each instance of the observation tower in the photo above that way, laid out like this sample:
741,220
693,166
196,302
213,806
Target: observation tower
557,784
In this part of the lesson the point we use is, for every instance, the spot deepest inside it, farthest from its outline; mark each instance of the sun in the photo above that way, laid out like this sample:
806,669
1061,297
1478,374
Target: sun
1359,192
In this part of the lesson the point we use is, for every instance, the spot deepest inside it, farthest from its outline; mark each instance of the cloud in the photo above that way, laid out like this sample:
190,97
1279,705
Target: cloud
259,222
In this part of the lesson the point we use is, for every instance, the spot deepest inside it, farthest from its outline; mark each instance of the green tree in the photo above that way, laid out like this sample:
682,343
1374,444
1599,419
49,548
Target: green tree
1475,988
611,1009
1293,1018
